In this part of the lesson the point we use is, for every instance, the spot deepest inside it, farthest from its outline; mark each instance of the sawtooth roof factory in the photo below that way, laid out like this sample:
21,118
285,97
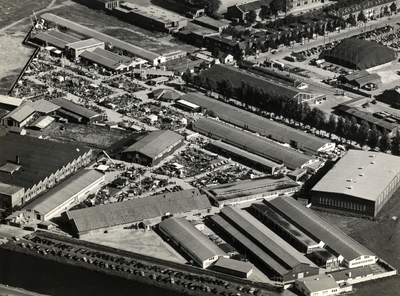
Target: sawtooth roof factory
27,172
361,183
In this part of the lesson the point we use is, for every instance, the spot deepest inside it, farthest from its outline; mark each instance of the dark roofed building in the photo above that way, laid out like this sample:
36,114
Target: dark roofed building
283,261
191,241
37,169
152,208
75,112
54,38
239,11
211,23
154,147
350,253
44,107
252,143
308,143
233,267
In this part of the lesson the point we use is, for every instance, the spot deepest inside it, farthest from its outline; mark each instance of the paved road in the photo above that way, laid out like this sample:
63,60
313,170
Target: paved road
331,37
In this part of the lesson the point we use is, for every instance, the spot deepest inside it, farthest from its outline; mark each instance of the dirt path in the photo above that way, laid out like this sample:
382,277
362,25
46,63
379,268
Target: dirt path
66,3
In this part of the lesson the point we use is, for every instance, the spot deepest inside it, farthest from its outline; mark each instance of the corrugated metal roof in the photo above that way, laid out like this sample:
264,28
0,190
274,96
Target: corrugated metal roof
155,143
50,40
74,108
245,154
264,237
319,283
191,239
252,247
252,143
84,43
62,36
20,113
7,100
38,158
256,123
140,52
310,222
368,173
112,56
64,191
282,222
343,275
101,60
137,210
42,122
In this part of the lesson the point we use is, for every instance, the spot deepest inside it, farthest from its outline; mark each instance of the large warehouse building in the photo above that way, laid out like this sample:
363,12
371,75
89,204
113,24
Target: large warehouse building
153,58
349,252
64,196
308,143
154,147
252,143
360,183
284,262
142,212
191,241
359,54
37,169
252,189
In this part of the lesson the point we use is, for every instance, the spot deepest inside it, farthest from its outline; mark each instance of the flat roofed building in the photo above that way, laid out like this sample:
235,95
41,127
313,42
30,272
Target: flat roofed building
285,263
316,285
349,252
361,182
154,17
66,195
19,117
261,125
10,195
37,169
151,209
252,189
191,241
74,49
133,50
102,61
233,267
252,143
154,147
211,23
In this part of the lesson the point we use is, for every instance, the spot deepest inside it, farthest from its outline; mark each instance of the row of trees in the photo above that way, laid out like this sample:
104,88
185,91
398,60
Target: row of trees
258,99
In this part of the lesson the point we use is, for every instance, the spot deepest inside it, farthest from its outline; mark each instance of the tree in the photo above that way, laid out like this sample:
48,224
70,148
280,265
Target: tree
277,5
373,137
395,147
340,128
210,6
331,125
264,12
384,142
351,20
250,17
187,77
347,128
363,133
361,17
211,84
227,88
393,7
353,129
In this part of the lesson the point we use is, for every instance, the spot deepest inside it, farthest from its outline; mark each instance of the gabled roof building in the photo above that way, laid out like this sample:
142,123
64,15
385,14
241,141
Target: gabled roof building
191,241
40,168
19,117
75,112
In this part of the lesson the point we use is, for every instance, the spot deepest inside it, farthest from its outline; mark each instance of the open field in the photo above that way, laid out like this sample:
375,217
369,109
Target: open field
91,135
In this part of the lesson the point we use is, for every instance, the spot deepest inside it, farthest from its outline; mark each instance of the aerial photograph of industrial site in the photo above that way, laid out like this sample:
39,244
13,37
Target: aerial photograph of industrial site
199,147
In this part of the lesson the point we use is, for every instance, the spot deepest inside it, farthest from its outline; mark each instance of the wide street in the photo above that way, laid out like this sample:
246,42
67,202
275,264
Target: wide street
371,25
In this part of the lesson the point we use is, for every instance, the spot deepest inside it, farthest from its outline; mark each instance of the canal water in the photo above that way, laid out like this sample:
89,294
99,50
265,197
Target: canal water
53,278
